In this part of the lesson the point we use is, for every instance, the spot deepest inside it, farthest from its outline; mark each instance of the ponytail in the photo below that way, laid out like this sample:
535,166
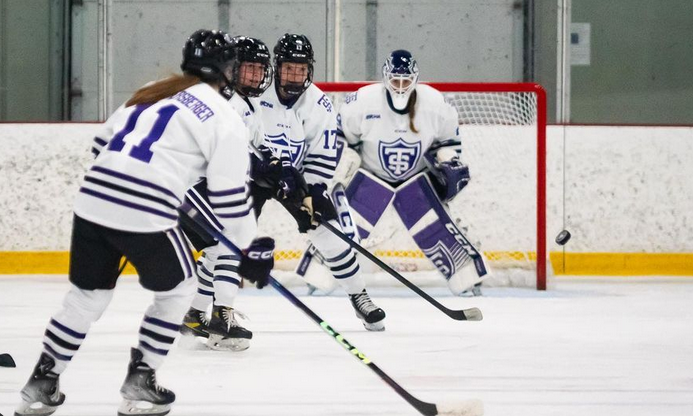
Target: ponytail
151,93
411,105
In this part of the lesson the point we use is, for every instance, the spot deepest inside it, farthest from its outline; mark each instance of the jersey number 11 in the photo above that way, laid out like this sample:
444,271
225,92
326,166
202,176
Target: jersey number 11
142,151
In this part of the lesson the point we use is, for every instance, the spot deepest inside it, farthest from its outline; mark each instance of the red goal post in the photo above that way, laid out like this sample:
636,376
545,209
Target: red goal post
503,131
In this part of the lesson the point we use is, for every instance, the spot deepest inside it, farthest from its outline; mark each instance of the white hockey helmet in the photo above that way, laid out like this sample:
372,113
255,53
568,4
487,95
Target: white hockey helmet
400,75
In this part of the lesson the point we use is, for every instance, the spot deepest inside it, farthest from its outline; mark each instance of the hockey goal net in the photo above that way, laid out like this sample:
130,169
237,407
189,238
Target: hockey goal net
502,210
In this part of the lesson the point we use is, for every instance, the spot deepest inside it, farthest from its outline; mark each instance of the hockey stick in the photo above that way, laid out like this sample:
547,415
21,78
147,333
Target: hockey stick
471,314
465,408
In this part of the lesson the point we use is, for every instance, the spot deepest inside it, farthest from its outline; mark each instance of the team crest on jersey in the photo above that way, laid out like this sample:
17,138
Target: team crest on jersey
282,147
399,158
441,257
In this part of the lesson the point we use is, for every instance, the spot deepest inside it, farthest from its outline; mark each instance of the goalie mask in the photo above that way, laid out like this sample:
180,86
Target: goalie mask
400,75
207,54
253,71
293,61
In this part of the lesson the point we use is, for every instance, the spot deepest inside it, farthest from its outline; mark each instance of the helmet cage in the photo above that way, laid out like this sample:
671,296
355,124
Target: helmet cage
400,76
253,51
294,49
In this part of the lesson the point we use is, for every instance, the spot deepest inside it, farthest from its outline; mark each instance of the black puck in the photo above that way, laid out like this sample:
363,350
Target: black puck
7,361
563,237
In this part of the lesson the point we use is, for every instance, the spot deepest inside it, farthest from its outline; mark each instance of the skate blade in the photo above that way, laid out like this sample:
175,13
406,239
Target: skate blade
219,343
35,408
374,327
138,407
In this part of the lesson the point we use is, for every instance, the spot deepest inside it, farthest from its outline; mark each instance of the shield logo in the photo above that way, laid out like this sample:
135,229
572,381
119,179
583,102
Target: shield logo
399,158
285,148
441,257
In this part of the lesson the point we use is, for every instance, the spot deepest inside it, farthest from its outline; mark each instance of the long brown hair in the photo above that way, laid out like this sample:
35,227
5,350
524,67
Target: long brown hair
412,112
149,94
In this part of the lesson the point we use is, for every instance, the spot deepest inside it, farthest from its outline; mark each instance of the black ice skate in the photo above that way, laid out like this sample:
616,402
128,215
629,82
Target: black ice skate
141,394
225,333
371,315
41,395
195,324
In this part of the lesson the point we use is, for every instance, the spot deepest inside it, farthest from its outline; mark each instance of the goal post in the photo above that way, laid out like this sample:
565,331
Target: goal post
503,210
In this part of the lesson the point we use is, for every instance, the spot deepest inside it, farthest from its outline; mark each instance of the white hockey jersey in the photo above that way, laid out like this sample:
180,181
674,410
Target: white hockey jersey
251,112
388,147
304,133
149,155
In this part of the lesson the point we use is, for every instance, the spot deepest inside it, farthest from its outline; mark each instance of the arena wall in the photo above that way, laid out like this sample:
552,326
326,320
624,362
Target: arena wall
624,192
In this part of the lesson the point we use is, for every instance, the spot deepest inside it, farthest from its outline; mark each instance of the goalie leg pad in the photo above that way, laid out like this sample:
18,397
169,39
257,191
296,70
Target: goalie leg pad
434,231
368,197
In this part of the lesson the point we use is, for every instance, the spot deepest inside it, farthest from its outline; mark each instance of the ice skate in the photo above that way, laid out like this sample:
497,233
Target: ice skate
371,315
141,393
41,395
195,324
225,333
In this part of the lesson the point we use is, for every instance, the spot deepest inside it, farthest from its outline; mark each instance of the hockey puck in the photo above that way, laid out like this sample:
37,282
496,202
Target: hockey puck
7,361
563,237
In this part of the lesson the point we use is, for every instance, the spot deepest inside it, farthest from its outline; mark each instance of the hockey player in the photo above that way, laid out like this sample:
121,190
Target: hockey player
149,153
406,135
295,166
217,268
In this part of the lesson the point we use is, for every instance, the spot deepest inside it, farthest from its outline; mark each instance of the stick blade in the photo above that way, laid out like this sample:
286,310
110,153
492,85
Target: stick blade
471,314
474,314
473,407
6,360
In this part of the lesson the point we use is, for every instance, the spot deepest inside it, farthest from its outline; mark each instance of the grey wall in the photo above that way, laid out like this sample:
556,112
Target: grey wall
641,56
32,77
641,63
476,40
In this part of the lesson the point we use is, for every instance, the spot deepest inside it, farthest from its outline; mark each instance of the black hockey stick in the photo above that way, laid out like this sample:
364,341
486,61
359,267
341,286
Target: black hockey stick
466,408
471,314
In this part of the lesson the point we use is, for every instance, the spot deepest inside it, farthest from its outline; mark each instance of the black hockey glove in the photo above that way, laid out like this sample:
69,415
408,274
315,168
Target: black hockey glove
257,261
318,205
292,187
266,169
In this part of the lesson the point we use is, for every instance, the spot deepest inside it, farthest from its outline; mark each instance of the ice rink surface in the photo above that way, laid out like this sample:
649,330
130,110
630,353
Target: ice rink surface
597,347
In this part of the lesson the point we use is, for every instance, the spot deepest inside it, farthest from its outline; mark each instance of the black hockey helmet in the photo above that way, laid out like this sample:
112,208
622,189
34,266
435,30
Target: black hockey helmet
297,49
208,54
249,49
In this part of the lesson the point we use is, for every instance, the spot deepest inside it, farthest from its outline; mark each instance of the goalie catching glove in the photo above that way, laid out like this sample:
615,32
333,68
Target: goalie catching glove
451,175
257,261
317,207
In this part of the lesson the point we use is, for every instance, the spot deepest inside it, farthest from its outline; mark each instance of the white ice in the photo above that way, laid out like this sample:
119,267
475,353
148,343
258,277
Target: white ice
600,346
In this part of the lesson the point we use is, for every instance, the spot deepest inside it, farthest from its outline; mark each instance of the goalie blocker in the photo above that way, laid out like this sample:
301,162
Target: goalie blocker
427,221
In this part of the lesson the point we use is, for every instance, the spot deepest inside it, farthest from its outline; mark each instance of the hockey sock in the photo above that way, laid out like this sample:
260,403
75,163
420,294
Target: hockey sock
162,321
68,328
205,286
226,280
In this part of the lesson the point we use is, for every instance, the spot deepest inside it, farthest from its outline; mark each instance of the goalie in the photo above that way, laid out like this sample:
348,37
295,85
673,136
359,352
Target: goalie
407,137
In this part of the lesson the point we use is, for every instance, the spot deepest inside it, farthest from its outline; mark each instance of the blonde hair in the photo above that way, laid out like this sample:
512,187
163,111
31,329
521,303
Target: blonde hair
151,93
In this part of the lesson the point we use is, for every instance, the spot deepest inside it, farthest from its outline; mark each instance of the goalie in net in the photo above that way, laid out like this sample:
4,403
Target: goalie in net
407,138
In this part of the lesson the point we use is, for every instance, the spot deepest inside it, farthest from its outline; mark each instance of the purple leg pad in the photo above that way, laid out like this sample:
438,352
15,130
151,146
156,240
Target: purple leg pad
369,197
440,240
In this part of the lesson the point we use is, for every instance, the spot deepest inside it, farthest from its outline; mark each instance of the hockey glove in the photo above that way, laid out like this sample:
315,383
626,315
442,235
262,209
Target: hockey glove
266,169
451,176
319,205
257,261
292,187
